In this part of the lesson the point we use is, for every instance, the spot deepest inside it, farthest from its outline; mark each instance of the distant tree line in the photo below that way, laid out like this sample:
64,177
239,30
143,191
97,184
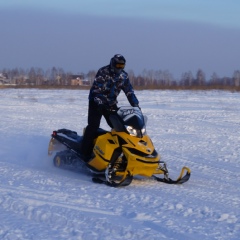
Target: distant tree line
148,79
37,76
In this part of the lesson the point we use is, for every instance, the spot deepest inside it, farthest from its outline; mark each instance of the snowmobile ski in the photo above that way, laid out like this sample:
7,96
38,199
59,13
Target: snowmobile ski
181,179
122,183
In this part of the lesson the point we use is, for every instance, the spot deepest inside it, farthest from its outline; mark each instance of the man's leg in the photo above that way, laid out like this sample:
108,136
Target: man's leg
94,118
106,115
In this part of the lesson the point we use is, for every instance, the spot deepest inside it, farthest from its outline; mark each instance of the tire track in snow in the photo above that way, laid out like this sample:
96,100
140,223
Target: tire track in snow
39,198
49,207
42,206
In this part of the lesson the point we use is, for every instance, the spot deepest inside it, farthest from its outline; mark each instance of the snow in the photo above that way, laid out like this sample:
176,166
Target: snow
195,129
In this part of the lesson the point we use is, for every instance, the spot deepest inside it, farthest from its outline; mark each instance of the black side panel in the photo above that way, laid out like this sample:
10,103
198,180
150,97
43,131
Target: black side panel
115,154
71,144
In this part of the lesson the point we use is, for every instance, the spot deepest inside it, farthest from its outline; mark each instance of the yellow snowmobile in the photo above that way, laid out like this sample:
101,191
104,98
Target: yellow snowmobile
118,155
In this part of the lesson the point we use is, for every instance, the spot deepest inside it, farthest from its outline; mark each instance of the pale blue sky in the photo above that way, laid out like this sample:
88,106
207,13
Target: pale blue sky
174,35
219,12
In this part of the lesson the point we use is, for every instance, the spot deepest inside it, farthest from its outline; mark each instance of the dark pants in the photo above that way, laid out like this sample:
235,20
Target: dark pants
94,119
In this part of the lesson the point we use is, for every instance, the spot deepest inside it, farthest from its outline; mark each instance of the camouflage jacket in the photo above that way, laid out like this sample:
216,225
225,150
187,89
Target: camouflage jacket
107,86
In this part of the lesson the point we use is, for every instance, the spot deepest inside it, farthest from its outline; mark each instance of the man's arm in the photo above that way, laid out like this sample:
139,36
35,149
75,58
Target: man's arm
96,92
128,90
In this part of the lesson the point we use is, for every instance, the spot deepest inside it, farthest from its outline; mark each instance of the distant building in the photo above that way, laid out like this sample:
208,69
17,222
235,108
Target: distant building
78,80
4,79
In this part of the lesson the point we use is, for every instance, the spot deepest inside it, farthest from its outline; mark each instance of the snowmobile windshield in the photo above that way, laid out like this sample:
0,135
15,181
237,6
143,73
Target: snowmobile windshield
130,120
132,116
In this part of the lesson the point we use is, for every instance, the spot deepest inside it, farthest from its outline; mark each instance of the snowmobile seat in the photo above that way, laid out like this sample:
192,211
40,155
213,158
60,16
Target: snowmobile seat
68,133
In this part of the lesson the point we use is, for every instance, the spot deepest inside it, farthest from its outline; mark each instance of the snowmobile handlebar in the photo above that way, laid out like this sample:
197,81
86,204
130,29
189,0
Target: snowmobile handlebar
115,109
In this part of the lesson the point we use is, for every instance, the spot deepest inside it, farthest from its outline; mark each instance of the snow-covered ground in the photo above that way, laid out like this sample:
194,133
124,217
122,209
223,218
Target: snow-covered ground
198,129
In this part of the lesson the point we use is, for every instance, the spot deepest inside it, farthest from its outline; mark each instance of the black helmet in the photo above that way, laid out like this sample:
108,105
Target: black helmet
117,63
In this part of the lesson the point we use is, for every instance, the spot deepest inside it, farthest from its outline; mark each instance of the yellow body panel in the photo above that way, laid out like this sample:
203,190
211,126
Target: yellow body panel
141,165
132,149
103,150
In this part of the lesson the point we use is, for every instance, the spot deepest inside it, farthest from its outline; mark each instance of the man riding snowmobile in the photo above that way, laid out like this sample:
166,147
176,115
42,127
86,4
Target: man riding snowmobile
108,83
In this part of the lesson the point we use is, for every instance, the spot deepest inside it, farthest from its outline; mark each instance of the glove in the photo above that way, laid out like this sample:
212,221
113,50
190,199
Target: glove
113,108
